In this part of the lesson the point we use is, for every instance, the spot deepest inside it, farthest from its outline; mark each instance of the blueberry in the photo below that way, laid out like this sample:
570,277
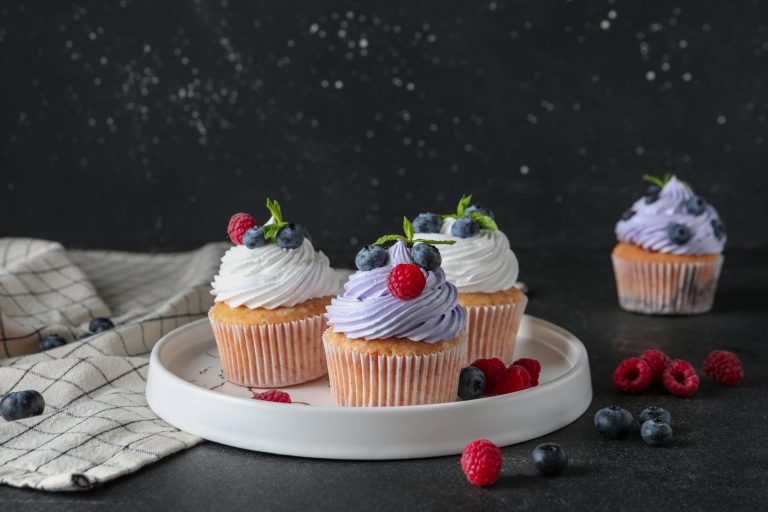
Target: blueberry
655,412
614,422
465,227
628,214
718,228
679,233
52,341
290,237
652,194
656,433
426,256
696,205
371,257
84,335
471,383
484,211
99,324
427,223
254,238
549,459
21,404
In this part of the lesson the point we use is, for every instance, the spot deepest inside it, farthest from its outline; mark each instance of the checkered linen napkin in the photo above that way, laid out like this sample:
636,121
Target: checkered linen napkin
96,425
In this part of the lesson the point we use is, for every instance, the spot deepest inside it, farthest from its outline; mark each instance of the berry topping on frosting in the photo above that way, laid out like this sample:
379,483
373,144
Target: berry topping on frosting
679,233
371,257
243,230
426,256
465,227
480,209
427,223
238,225
406,281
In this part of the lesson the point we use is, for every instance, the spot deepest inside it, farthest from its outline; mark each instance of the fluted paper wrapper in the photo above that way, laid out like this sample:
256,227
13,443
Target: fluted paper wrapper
666,288
271,355
492,331
366,380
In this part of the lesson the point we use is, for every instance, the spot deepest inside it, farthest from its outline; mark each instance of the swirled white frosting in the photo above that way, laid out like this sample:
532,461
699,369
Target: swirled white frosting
483,263
269,277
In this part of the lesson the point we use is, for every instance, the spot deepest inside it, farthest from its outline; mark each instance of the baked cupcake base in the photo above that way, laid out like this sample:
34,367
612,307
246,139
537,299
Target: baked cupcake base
665,284
266,348
393,371
493,320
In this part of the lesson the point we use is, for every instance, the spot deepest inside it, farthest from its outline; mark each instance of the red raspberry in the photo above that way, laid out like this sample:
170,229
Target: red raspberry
238,225
533,367
481,462
724,367
491,368
657,360
680,378
406,281
273,395
514,378
632,375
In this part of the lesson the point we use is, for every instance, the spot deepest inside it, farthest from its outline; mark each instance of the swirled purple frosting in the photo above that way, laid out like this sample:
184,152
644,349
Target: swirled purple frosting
673,221
368,310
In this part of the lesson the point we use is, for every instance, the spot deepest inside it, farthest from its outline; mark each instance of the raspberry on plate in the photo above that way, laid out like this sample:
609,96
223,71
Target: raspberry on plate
680,378
533,367
491,368
633,375
481,462
724,367
514,378
657,360
406,281
238,225
273,395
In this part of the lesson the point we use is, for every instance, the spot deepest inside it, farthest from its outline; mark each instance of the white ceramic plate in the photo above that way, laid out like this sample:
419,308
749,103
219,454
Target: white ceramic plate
186,388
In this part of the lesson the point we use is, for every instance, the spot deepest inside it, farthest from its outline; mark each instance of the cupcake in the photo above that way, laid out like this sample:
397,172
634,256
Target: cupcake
669,254
484,269
270,297
397,333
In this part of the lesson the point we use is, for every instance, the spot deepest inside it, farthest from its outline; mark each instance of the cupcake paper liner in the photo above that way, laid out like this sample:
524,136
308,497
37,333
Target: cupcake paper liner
366,380
271,355
492,331
666,288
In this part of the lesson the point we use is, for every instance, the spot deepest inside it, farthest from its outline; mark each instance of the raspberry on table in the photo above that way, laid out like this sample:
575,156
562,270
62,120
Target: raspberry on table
239,223
658,361
481,462
533,367
680,378
406,281
273,395
724,367
633,375
514,378
491,368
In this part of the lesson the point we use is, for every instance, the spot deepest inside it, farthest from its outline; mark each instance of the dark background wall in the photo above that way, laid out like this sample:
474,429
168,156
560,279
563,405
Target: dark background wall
145,125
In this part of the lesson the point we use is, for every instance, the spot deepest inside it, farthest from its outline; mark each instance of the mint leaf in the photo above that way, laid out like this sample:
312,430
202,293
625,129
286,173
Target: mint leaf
389,238
434,242
464,203
408,228
484,221
274,209
655,180
271,230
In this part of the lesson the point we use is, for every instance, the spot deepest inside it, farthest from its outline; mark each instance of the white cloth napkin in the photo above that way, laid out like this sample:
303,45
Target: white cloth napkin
96,425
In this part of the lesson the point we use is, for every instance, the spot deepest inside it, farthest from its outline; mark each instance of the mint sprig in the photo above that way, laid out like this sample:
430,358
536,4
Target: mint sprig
484,221
271,230
408,238
661,182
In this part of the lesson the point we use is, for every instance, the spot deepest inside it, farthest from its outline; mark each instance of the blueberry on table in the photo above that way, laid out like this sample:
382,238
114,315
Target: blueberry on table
427,223
426,256
254,238
371,257
479,209
21,404
100,324
290,237
549,459
655,412
679,233
696,205
49,342
471,383
656,433
614,422
465,227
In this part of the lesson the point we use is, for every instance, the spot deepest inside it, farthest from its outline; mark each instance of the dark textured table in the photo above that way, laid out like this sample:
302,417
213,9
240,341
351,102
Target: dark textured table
716,462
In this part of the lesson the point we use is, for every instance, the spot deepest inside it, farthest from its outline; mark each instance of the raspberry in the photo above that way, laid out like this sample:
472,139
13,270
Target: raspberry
533,367
680,378
491,368
514,378
481,462
632,375
238,225
657,360
273,395
724,367
406,281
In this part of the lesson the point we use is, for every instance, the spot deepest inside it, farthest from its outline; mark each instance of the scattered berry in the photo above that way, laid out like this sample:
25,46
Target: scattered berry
657,360
656,433
718,228
479,209
238,225
290,237
49,342
613,422
655,412
696,205
632,375
21,404
254,238
680,378
427,223
406,281
100,324
514,378
465,227
481,462
371,257
724,367
426,256
628,214
273,395
491,368
533,367
679,233
549,459
471,383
